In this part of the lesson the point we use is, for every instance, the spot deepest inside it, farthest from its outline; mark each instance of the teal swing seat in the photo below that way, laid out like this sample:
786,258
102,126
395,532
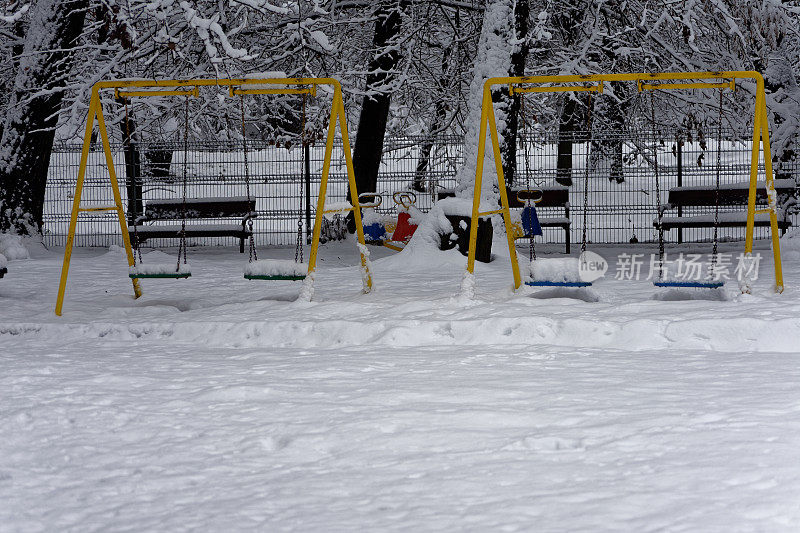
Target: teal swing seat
273,277
174,275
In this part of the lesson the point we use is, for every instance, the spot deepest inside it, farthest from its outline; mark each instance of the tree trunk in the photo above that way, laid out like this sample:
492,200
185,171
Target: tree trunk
133,165
508,144
32,115
368,148
566,133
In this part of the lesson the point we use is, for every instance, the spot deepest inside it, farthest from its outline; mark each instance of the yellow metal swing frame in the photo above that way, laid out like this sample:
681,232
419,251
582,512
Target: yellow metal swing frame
594,83
191,87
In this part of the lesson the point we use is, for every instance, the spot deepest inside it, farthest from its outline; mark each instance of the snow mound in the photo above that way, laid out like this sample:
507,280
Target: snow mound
12,247
275,267
562,269
790,244
456,206
3,261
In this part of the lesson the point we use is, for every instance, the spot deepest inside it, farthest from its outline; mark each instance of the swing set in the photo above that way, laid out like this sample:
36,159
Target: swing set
593,83
272,270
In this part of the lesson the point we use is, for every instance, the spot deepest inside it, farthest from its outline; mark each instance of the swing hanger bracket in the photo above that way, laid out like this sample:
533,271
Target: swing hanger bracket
642,86
237,91
530,195
195,93
514,88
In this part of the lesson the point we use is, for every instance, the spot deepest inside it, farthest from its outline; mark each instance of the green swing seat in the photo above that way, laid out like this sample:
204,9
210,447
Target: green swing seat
275,270
173,275
273,278
142,271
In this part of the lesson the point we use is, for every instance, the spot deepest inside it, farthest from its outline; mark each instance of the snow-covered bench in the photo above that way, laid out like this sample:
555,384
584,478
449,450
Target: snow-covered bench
235,207
553,196
730,194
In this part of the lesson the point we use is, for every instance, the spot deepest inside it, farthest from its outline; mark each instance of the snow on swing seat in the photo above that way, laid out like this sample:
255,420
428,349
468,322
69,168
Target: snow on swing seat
689,284
160,271
276,270
556,272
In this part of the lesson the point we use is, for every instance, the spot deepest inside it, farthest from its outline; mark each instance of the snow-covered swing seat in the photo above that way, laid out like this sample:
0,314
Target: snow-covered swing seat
275,270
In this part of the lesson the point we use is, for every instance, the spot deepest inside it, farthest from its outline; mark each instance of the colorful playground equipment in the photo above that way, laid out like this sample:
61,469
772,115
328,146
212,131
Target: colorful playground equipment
377,229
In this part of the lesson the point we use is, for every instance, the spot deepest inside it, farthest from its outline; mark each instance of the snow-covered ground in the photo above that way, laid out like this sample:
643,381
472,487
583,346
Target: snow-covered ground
214,403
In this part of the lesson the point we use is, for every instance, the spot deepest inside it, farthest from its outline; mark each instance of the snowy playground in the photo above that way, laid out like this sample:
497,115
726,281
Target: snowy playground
399,266
215,402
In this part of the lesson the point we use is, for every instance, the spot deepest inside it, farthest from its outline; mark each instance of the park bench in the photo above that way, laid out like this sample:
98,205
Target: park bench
236,207
730,195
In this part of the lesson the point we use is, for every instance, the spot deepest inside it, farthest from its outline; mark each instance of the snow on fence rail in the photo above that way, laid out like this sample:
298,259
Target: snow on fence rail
616,213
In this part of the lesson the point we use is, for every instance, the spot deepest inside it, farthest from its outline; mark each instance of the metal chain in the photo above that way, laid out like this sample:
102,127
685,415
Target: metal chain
716,196
586,173
135,222
658,189
182,246
531,240
253,251
298,250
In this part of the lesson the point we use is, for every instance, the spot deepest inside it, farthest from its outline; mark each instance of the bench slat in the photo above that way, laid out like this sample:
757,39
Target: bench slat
172,209
729,194
726,220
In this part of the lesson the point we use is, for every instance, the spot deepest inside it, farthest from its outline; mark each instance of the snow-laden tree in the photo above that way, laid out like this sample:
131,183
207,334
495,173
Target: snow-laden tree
44,66
493,58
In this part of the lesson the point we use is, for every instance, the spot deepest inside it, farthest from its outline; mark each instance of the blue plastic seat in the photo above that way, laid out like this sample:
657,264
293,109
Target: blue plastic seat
690,284
558,283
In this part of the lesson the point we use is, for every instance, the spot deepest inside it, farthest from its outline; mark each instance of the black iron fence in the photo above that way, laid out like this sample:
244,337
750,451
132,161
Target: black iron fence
620,171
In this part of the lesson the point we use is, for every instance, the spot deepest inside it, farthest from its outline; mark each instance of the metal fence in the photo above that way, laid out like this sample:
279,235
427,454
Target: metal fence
619,169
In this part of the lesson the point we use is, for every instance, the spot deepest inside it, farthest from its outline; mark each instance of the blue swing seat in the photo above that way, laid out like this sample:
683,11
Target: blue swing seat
690,284
558,283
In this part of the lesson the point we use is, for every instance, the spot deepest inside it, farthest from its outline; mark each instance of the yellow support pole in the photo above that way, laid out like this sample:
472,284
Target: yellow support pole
501,182
112,175
754,153
348,157
476,194
323,186
769,185
76,202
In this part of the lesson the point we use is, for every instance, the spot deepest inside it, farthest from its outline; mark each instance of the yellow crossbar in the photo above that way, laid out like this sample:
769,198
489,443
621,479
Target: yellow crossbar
486,213
96,209
131,94
333,211
762,211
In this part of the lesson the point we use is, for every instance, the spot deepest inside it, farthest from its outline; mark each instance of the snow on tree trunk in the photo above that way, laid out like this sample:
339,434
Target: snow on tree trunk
519,57
780,77
32,113
495,46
